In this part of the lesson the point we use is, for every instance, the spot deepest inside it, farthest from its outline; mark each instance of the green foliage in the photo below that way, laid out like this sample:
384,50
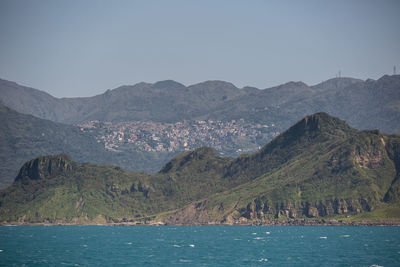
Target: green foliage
24,137
318,167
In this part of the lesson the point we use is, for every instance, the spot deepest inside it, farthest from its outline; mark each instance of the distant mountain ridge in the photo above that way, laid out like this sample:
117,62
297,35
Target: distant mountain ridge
365,104
319,168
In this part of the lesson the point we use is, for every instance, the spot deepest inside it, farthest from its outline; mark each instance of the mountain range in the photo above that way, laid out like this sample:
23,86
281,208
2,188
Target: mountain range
318,168
370,104
34,123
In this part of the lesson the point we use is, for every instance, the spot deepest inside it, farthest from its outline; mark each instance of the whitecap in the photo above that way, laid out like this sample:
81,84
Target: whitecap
376,265
129,243
258,238
84,246
263,259
237,239
323,237
345,236
268,233
1,250
191,245
177,246
182,260
254,233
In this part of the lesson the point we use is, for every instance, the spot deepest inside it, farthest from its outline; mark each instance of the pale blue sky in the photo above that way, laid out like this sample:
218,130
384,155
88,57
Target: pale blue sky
82,47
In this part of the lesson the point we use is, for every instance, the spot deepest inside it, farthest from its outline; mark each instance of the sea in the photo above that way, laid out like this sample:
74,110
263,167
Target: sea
199,246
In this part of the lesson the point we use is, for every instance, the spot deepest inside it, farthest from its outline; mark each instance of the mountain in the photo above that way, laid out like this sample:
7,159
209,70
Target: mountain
24,137
366,104
318,168
31,101
165,101
315,169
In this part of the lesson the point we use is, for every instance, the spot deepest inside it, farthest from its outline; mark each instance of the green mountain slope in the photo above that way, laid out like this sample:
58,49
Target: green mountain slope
354,176
318,168
24,137
56,188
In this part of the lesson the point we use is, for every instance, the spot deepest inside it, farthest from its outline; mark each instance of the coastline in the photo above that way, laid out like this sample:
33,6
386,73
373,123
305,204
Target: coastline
269,223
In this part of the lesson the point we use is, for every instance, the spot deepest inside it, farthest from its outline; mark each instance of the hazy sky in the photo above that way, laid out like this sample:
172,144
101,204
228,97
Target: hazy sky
82,48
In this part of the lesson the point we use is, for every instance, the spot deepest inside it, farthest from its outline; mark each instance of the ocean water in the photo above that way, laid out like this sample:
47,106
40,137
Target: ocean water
199,246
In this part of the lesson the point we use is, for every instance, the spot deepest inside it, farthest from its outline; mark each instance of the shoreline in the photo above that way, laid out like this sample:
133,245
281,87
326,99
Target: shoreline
269,223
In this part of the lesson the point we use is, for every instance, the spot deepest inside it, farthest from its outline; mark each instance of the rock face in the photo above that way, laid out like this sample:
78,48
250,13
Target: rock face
43,167
259,210
194,213
318,168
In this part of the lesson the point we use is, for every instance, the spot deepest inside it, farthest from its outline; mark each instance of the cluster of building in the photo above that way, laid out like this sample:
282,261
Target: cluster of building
227,137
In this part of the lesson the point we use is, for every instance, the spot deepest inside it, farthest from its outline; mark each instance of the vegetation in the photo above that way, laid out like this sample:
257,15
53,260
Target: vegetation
320,167
24,137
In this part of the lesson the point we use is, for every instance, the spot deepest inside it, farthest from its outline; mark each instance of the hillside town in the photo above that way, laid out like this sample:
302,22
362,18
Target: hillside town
227,137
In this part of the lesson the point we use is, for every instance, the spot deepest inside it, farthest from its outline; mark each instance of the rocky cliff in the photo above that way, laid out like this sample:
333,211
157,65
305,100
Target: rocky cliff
319,168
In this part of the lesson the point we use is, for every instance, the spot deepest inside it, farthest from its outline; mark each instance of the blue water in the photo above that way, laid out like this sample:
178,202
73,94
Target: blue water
199,246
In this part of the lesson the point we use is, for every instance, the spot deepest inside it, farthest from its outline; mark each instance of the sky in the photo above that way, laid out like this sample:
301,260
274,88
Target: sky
84,47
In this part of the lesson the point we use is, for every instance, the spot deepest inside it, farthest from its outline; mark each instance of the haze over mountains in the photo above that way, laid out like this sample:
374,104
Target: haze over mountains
364,104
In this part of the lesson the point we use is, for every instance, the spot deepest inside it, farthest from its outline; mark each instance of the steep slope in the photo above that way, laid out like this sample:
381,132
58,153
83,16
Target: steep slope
351,178
24,137
306,137
57,189
196,174
320,167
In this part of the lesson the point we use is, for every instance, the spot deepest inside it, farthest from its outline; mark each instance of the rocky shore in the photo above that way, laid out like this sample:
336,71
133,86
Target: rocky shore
320,222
